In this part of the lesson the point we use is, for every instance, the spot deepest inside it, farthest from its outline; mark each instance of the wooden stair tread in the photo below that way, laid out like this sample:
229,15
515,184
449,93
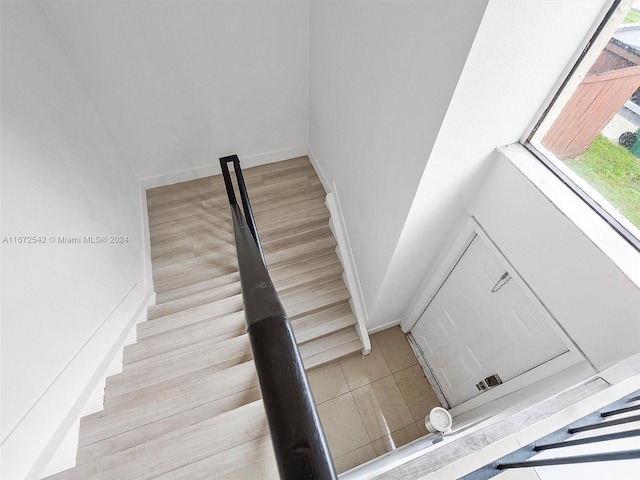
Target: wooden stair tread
286,278
135,436
213,356
251,460
329,348
223,328
176,449
192,289
297,303
214,331
162,401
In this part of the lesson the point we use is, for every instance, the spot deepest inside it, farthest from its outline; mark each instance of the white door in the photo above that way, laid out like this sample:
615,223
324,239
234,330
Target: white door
480,323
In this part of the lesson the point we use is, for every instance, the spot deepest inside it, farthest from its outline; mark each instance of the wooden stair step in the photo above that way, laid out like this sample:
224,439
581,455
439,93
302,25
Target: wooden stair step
210,332
323,322
192,315
213,331
176,449
130,438
163,401
196,299
274,202
297,303
286,224
314,298
308,244
198,228
306,272
175,363
329,348
158,199
202,224
196,288
298,247
158,216
129,422
270,198
290,276
215,356
253,460
181,278
211,258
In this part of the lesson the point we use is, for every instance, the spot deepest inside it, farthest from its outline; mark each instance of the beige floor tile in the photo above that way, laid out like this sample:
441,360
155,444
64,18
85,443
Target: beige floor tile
422,427
396,439
382,407
327,382
354,458
416,391
342,425
395,348
361,370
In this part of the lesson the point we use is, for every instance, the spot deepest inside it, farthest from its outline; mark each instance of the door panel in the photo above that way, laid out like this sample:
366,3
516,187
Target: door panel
482,322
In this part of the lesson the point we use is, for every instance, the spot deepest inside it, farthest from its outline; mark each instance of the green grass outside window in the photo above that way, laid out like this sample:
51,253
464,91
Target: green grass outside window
615,172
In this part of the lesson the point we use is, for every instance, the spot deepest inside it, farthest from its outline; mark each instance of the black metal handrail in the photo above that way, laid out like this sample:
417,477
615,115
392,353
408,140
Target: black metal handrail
298,440
561,439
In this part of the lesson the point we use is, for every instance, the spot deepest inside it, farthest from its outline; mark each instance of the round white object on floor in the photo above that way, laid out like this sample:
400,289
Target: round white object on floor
438,420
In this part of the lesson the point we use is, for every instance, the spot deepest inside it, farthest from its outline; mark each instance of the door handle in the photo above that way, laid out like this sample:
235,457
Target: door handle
502,282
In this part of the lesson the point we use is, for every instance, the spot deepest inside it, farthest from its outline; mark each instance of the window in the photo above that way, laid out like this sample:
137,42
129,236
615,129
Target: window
590,134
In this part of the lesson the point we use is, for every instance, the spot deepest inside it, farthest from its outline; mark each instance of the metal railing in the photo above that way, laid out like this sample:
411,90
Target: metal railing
563,439
298,440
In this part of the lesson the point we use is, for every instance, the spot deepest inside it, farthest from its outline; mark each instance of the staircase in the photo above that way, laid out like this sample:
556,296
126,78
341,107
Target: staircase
187,404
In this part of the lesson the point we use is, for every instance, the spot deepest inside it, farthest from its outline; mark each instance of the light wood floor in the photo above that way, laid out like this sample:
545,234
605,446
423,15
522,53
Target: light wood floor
187,404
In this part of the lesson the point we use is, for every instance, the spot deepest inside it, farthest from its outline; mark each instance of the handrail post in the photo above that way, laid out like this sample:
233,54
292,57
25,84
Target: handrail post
244,196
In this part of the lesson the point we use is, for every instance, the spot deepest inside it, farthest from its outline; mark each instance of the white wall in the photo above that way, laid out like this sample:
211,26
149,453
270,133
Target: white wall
381,79
182,83
65,307
408,151
594,301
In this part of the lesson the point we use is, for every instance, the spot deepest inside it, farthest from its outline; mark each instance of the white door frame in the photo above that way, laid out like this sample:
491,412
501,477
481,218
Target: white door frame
453,255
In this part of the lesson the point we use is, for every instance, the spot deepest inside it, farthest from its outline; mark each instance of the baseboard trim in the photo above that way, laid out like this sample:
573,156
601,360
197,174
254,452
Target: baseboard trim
384,326
352,280
78,379
213,168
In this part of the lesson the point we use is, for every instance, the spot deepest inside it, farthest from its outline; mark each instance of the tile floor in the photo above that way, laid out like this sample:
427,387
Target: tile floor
370,405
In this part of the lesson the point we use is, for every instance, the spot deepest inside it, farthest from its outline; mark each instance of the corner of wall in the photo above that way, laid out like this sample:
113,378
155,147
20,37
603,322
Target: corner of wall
328,187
